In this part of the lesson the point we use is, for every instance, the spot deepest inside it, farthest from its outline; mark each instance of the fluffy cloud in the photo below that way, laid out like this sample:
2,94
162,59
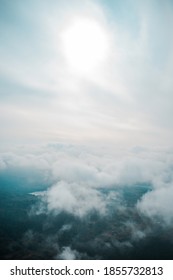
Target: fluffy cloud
80,175
74,199
68,254
79,170
157,205
76,176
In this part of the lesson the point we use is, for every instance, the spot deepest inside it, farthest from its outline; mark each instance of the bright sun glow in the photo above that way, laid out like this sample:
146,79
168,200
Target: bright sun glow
85,45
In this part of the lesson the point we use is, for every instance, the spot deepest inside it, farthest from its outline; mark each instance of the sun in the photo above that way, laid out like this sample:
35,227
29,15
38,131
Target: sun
85,45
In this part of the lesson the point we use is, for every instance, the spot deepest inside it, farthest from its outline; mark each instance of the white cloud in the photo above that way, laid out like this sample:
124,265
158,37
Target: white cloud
74,199
68,254
72,169
157,205
76,175
30,160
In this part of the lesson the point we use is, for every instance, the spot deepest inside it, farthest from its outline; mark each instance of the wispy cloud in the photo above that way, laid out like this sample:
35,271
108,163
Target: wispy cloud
128,98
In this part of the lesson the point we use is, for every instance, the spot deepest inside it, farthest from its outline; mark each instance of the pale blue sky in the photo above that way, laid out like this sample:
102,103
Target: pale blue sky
129,101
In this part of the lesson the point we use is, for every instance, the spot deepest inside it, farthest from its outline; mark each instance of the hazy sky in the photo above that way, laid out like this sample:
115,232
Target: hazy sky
89,82
95,71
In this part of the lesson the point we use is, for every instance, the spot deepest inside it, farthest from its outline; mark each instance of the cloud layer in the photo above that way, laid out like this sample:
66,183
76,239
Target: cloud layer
79,179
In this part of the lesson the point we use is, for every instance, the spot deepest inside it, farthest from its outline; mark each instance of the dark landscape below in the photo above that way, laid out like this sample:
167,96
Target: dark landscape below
121,234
